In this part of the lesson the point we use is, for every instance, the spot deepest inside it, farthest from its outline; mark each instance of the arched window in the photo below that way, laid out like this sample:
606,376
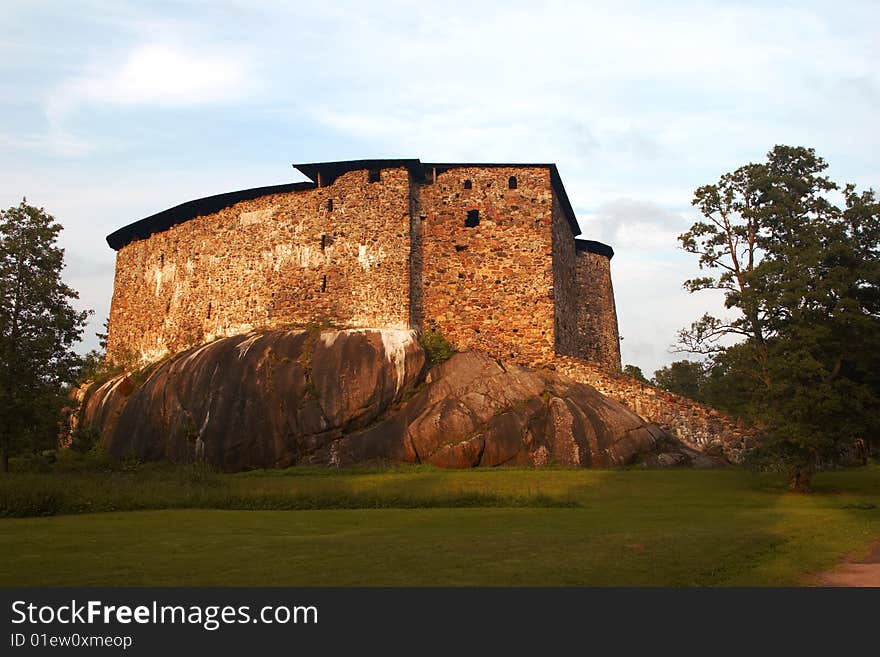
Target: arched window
467,184
511,182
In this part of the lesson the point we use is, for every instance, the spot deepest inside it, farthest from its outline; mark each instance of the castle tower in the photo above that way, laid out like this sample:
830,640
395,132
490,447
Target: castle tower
596,312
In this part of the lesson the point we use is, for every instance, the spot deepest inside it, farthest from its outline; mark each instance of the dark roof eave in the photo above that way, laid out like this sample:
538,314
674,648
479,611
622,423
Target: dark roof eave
556,181
592,246
179,214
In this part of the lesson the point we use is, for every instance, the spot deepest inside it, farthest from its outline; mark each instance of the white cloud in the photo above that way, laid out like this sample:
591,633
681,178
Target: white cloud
652,306
634,224
156,75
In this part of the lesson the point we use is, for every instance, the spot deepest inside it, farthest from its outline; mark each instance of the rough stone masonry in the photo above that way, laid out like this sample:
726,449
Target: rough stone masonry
486,254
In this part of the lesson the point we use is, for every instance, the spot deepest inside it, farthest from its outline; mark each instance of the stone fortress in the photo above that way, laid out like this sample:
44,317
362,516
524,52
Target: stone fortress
486,254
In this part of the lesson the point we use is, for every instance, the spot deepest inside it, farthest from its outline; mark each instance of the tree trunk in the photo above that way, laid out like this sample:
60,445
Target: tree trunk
801,479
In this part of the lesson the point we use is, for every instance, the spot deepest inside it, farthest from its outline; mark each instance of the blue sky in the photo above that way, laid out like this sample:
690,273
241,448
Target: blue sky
111,111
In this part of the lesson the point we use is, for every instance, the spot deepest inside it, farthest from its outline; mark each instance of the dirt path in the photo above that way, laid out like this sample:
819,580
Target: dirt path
865,572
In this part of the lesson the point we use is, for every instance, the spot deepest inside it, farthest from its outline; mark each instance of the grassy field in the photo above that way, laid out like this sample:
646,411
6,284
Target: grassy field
418,526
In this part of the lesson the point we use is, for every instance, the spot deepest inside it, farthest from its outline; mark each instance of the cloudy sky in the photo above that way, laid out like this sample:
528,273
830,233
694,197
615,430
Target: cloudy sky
111,111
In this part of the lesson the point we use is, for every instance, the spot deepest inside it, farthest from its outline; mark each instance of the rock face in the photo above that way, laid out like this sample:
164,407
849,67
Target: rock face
475,411
341,398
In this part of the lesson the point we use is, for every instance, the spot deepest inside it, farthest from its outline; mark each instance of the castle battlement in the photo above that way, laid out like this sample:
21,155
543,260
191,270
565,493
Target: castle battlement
487,254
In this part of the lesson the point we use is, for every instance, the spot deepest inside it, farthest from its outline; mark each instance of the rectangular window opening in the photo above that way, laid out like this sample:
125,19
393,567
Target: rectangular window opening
473,219
373,175
511,182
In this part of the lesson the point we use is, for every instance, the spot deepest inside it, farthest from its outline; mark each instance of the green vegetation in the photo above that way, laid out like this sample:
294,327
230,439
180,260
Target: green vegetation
95,368
134,487
437,348
799,355
399,526
683,377
38,329
635,372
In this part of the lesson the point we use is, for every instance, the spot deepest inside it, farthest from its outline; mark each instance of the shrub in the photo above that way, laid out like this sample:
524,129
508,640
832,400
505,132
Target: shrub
84,439
437,348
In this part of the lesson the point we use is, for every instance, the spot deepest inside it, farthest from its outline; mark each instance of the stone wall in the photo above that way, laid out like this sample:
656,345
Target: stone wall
489,286
275,261
585,314
701,427
567,290
491,265
416,258
596,314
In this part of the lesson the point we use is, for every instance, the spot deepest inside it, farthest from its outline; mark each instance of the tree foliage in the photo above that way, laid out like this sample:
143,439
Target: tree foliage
38,328
683,377
94,365
801,278
635,372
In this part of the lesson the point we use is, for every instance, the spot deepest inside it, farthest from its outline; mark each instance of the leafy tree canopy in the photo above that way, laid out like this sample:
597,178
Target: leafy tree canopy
801,279
38,328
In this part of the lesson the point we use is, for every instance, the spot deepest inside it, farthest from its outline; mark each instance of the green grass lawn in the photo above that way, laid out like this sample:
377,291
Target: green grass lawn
418,526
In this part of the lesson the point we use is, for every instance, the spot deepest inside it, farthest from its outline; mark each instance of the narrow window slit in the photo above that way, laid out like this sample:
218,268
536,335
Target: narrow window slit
324,284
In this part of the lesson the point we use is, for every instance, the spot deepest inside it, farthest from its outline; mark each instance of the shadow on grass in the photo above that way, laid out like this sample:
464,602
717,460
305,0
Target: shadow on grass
189,487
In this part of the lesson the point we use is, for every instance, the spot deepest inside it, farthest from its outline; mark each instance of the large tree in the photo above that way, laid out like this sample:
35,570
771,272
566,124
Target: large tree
801,280
38,328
